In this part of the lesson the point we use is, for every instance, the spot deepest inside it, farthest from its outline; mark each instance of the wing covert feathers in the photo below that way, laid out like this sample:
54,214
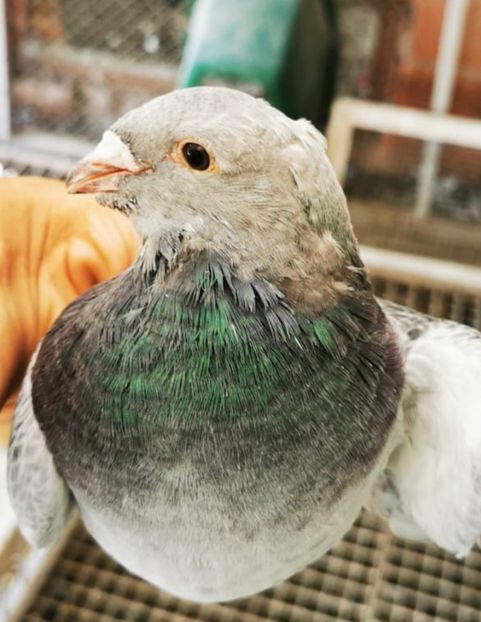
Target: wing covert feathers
40,497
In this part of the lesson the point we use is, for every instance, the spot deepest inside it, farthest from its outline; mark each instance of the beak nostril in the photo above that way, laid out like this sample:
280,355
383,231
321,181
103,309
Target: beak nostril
103,170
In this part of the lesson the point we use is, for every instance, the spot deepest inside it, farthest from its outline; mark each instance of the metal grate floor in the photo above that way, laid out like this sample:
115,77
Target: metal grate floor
370,575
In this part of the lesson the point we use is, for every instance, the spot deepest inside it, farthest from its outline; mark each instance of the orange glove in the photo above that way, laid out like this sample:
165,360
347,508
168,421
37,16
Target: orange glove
53,246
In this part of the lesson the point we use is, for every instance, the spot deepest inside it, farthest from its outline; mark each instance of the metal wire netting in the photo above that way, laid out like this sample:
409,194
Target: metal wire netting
140,30
385,168
77,66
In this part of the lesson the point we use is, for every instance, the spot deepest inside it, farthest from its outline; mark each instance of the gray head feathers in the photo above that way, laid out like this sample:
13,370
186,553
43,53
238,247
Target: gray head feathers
269,178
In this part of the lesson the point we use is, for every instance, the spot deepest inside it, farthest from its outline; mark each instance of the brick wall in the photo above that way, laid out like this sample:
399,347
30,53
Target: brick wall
402,73
419,46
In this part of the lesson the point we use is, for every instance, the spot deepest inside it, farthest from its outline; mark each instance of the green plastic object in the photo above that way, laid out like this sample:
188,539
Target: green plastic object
283,50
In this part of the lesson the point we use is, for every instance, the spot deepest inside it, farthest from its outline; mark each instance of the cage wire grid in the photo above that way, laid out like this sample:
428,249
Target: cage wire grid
77,66
391,175
369,576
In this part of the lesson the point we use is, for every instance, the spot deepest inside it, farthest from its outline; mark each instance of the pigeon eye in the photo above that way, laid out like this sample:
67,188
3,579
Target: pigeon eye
196,156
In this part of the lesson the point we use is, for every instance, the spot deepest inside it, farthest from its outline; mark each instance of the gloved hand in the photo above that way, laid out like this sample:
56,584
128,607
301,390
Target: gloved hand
53,246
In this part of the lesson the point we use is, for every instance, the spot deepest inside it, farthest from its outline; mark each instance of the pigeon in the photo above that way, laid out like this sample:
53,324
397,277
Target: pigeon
220,412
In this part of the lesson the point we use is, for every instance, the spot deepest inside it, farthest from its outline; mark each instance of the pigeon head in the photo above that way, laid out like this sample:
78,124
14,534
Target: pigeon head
224,170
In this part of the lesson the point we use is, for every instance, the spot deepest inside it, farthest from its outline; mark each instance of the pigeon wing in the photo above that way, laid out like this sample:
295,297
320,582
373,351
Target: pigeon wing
39,495
432,486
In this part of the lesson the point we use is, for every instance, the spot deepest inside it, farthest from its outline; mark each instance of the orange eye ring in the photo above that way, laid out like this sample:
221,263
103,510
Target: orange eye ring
190,154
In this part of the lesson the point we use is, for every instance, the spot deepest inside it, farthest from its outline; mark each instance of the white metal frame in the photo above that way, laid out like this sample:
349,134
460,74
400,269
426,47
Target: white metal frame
347,115
434,127
5,124
437,274
447,61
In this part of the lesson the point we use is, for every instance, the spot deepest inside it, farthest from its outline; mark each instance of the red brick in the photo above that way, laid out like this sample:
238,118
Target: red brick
425,30
467,96
471,50
461,162
413,86
410,75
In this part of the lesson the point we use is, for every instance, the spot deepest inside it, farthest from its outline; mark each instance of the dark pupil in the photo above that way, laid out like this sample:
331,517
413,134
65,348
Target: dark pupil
196,156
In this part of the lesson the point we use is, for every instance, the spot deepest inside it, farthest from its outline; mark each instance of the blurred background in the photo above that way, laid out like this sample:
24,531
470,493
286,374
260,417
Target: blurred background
396,86
70,68
75,66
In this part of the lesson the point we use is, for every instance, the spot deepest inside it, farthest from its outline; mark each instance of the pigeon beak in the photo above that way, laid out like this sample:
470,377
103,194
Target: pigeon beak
105,167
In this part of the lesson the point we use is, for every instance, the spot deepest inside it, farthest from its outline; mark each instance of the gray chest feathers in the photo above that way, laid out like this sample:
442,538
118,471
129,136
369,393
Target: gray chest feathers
245,417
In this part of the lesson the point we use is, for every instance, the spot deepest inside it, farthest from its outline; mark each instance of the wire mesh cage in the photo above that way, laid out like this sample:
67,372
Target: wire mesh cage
77,66
385,168
382,185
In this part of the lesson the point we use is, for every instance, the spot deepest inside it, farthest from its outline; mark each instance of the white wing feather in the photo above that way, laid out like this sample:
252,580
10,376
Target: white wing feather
432,486
39,496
